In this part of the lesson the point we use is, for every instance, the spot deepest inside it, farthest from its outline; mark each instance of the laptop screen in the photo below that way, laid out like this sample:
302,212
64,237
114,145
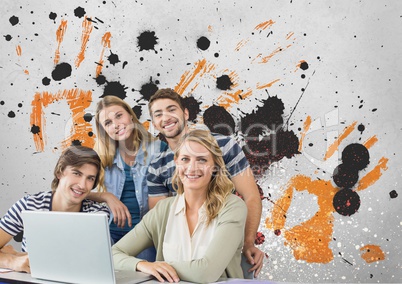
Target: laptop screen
71,247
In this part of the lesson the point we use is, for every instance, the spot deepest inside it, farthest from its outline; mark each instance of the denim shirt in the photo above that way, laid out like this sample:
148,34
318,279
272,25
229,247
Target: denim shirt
115,176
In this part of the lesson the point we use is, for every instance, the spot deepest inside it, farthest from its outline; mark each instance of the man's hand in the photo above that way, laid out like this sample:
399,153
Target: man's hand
161,270
17,261
255,257
10,250
21,263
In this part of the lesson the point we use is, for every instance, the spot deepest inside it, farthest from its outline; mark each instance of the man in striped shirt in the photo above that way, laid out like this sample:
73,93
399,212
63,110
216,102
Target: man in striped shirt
169,117
75,175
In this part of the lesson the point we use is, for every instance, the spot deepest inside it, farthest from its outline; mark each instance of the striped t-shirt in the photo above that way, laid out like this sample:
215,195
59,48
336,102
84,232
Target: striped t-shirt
12,223
160,171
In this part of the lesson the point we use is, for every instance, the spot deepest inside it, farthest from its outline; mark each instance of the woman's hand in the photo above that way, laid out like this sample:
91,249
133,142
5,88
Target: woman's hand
161,270
119,210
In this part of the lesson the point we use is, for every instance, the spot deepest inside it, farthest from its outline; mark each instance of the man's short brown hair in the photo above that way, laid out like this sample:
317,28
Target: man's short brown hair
166,93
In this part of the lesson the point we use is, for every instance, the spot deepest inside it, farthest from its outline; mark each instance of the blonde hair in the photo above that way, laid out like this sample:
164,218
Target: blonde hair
105,146
220,185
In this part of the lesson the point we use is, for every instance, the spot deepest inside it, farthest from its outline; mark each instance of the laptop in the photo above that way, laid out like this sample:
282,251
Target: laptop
73,248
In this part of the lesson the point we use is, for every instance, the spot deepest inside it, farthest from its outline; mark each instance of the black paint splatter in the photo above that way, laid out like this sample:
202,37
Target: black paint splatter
193,107
79,12
361,128
113,58
356,156
138,111
346,202
345,176
266,140
11,114
148,89
224,82
114,88
147,40
8,37
14,20
269,116
203,43
304,65
219,120
76,143
52,16
35,129
393,194
100,80
88,117
46,81
61,71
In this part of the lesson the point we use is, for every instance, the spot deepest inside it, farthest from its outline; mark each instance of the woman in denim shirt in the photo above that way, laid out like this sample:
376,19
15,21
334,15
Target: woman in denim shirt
126,148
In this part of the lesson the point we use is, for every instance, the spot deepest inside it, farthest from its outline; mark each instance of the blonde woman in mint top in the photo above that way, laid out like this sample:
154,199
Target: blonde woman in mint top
199,233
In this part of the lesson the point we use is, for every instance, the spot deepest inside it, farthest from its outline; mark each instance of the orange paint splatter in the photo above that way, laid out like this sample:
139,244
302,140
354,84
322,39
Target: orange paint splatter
61,30
106,44
261,26
309,240
370,142
78,100
146,124
306,127
241,44
372,253
259,87
18,49
227,99
371,177
210,28
264,25
26,72
265,59
290,35
86,32
201,68
331,150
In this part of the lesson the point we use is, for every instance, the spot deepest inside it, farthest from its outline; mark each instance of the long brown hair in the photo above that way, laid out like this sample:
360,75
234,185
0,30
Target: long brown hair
105,146
220,185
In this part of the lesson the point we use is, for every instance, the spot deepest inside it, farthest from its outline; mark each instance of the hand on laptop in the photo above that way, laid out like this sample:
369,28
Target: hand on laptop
20,260
160,269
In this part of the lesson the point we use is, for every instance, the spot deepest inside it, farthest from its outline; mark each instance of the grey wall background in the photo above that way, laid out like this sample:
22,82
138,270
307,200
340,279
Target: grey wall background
334,65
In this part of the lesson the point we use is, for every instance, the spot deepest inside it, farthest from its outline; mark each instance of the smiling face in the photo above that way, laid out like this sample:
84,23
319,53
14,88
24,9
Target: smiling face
74,186
195,165
117,122
168,118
